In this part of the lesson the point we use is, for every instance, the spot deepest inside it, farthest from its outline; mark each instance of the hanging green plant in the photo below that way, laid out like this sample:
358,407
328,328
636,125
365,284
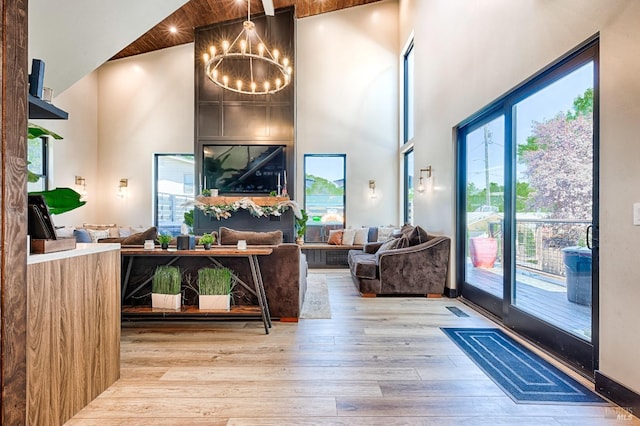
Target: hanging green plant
59,200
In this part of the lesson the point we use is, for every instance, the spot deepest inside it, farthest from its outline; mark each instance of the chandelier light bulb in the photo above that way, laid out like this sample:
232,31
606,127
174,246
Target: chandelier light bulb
253,86
214,74
239,84
225,80
225,46
278,83
261,49
276,54
285,62
205,57
266,86
243,46
212,49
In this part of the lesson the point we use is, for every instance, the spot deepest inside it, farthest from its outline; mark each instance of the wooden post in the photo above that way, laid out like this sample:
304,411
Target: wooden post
13,206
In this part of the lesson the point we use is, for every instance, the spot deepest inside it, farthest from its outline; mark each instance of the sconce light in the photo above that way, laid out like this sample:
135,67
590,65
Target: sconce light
122,188
420,183
372,188
81,187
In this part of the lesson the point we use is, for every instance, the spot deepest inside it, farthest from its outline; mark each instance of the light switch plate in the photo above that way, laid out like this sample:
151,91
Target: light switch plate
636,214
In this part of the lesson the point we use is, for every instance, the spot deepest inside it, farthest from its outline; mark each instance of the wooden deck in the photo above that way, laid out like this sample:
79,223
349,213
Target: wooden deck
543,298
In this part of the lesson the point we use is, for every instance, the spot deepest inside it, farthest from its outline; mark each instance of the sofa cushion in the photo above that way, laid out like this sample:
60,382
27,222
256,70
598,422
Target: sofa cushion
335,237
136,239
231,236
417,236
361,237
98,234
395,243
348,235
82,236
365,266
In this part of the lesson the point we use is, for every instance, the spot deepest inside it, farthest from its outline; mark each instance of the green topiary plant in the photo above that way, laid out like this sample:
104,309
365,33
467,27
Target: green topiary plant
166,280
207,239
164,238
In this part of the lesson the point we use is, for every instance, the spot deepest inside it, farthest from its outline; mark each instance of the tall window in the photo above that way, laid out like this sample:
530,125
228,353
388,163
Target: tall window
409,89
174,175
408,186
324,194
38,161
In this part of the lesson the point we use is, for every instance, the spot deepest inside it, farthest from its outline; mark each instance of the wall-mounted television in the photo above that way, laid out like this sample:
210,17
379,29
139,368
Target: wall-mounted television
243,169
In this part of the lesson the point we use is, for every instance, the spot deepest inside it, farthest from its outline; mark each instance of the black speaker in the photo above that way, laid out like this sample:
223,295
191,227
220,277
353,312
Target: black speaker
186,242
36,78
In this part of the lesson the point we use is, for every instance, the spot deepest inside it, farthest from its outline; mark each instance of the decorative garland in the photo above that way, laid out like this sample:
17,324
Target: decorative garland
224,211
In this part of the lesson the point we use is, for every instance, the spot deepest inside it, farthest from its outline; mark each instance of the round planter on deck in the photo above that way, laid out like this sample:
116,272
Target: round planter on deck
483,251
577,265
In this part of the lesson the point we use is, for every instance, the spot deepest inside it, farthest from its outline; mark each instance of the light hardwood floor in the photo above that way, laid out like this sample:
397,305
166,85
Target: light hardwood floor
379,361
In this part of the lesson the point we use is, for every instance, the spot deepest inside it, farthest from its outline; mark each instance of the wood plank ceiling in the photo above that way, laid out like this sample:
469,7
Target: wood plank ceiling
198,13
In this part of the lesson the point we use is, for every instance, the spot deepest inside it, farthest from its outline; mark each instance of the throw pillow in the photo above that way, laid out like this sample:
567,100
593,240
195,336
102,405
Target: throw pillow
124,232
98,234
392,244
417,236
139,238
361,236
385,232
231,236
335,237
348,236
65,232
112,228
82,236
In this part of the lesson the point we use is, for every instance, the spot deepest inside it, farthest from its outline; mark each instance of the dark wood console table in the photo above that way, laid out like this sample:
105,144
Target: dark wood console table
129,255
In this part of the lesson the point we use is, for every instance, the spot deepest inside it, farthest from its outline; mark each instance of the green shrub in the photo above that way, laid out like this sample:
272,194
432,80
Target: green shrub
207,239
166,280
215,281
164,238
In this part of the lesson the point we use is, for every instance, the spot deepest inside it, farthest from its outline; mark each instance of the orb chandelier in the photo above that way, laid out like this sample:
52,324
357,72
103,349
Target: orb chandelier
247,65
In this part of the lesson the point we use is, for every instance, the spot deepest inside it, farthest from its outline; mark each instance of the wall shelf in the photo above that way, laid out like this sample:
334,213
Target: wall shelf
41,109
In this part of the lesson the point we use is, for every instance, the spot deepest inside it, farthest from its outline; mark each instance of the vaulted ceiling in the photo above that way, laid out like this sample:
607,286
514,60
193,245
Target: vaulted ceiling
198,13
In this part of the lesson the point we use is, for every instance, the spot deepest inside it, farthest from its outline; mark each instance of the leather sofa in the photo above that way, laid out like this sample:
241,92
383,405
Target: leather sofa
419,264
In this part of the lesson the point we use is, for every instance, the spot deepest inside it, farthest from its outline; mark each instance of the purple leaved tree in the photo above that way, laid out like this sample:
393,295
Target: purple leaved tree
559,167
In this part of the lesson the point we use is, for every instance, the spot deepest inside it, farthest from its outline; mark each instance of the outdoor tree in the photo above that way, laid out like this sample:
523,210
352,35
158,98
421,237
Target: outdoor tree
558,158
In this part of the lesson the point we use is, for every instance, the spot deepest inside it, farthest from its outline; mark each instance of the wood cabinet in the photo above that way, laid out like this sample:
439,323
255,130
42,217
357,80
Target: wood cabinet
73,330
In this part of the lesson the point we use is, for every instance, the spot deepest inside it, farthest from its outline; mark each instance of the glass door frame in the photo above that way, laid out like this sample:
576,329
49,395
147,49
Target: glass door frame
581,354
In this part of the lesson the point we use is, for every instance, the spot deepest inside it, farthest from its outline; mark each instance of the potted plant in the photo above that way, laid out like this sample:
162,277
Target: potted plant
301,226
165,288
215,288
164,240
206,240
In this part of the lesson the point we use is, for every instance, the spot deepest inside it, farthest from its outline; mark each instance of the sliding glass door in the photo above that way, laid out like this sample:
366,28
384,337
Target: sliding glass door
528,208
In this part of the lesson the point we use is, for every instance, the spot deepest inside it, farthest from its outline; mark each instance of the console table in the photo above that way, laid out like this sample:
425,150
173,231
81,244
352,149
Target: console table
172,255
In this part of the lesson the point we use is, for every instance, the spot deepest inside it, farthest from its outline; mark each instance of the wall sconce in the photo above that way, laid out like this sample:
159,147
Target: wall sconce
420,183
372,188
81,187
122,188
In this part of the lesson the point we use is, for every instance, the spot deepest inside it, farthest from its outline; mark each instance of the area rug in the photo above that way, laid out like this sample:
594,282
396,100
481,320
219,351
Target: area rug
316,298
521,374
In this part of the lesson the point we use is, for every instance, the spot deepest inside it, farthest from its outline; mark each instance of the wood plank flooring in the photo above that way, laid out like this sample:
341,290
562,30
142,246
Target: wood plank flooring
380,361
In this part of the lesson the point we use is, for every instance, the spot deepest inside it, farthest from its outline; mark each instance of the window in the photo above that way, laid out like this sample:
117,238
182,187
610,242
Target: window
409,89
324,194
37,156
408,186
174,187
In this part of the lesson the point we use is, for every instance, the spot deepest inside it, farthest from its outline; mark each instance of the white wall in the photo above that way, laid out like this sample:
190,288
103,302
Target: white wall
145,106
77,153
74,37
468,53
346,75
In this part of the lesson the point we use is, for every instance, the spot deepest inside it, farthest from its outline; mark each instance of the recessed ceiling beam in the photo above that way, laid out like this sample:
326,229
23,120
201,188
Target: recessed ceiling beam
268,7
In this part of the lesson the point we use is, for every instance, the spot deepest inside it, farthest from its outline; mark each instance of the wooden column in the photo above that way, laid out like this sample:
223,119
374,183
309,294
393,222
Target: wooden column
13,216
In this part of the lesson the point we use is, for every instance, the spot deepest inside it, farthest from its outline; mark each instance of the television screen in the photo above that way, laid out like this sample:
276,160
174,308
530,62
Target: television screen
243,169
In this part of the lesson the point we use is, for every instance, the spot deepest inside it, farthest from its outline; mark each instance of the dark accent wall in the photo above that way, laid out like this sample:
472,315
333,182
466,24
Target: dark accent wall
224,117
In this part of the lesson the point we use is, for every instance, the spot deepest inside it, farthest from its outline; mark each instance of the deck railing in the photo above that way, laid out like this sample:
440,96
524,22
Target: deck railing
539,242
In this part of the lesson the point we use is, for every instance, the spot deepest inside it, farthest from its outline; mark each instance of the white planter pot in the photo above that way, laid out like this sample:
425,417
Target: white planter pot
165,301
217,302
